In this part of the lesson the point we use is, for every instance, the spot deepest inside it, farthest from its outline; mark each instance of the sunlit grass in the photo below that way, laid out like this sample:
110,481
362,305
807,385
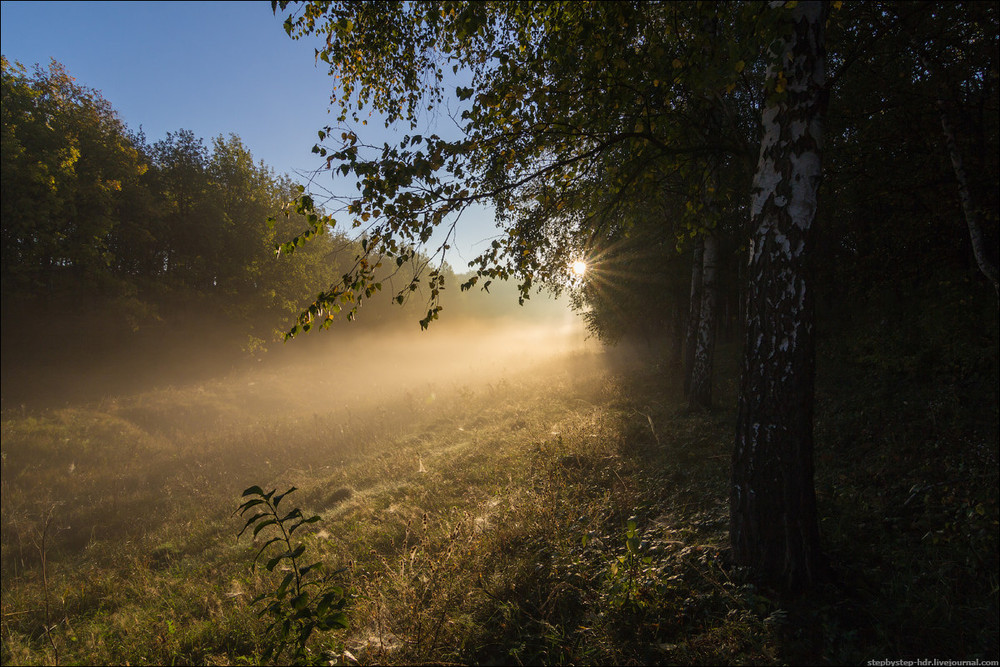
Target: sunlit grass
489,525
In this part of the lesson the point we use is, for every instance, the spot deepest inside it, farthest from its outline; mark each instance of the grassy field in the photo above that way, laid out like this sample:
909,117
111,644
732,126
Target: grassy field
573,514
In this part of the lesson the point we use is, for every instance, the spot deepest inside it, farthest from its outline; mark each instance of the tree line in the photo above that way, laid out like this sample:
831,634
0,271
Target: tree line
95,216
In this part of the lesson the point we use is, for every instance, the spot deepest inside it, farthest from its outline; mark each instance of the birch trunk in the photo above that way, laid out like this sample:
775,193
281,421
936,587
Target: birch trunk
968,205
969,209
700,396
774,529
677,334
694,311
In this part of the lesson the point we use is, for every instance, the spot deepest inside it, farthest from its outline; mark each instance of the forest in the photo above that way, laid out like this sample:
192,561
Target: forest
776,224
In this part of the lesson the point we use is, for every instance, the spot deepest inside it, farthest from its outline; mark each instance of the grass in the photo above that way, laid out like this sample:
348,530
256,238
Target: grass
574,515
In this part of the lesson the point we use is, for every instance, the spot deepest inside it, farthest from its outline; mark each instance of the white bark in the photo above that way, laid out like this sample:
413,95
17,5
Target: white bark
694,311
968,205
774,529
701,374
969,209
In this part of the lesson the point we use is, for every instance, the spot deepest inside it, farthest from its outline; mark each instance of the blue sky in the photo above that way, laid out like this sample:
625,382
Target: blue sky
209,67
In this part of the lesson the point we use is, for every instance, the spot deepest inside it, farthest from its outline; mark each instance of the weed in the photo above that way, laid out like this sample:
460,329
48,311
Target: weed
630,574
304,601
42,547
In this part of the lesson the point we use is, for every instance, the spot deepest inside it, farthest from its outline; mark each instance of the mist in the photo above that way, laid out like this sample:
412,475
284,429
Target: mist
352,366
375,371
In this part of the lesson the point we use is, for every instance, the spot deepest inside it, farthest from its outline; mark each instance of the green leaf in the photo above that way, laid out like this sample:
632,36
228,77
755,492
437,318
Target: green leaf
307,568
312,519
262,525
241,510
277,498
287,554
250,503
261,550
270,565
304,633
280,591
291,515
250,521
335,620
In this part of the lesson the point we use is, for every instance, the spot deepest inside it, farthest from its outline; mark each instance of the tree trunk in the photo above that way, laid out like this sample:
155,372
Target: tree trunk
988,268
677,334
774,529
969,209
694,311
700,396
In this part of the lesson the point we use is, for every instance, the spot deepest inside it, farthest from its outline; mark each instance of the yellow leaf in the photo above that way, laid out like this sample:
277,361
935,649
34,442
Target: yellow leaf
677,63
739,66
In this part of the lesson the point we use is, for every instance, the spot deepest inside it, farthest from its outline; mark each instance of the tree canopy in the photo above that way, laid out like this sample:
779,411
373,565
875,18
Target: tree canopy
557,136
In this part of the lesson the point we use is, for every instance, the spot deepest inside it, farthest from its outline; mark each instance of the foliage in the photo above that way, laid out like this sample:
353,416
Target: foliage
587,123
304,601
67,162
567,121
894,225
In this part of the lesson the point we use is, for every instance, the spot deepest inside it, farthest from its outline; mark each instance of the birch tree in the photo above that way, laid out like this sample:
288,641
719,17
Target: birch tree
969,78
774,529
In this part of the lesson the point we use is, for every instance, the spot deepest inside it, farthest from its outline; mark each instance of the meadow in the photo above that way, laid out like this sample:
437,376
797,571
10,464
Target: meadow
567,510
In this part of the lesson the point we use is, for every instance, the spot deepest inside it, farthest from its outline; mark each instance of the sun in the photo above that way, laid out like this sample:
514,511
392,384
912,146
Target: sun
579,267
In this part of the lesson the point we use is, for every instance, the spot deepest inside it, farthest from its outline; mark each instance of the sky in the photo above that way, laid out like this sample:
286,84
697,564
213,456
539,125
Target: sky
209,67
